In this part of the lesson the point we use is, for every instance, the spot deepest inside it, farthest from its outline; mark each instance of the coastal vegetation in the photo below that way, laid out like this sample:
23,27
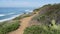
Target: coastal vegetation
12,25
9,26
47,13
43,29
49,19
48,16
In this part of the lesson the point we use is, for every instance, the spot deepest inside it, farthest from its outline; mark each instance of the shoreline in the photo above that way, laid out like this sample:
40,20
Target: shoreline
3,20
8,19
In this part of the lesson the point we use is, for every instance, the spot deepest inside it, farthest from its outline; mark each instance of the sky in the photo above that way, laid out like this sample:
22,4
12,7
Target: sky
26,3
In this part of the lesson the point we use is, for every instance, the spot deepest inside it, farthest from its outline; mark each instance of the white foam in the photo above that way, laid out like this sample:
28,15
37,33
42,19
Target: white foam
10,18
2,15
10,13
27,10
5,14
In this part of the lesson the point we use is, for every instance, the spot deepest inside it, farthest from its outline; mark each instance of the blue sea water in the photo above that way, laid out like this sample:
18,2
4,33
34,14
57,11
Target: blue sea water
6,13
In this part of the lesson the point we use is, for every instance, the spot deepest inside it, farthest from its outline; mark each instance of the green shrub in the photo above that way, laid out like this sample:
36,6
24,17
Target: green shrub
9,26
40,30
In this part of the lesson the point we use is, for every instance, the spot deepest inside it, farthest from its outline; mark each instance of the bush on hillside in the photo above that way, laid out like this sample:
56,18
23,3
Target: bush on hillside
47,13
40,30
49,16
9,26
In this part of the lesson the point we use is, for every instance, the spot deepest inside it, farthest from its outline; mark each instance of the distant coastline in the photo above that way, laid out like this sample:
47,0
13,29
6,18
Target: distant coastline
10,18
3,20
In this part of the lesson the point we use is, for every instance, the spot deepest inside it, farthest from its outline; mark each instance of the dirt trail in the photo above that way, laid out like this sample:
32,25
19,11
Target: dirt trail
24,23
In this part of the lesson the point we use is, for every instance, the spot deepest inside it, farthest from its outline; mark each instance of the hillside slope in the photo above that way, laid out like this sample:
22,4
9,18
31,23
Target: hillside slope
48,20
24,23
47,13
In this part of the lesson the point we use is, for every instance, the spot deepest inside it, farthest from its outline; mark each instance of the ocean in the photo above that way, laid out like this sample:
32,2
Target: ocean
10,13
